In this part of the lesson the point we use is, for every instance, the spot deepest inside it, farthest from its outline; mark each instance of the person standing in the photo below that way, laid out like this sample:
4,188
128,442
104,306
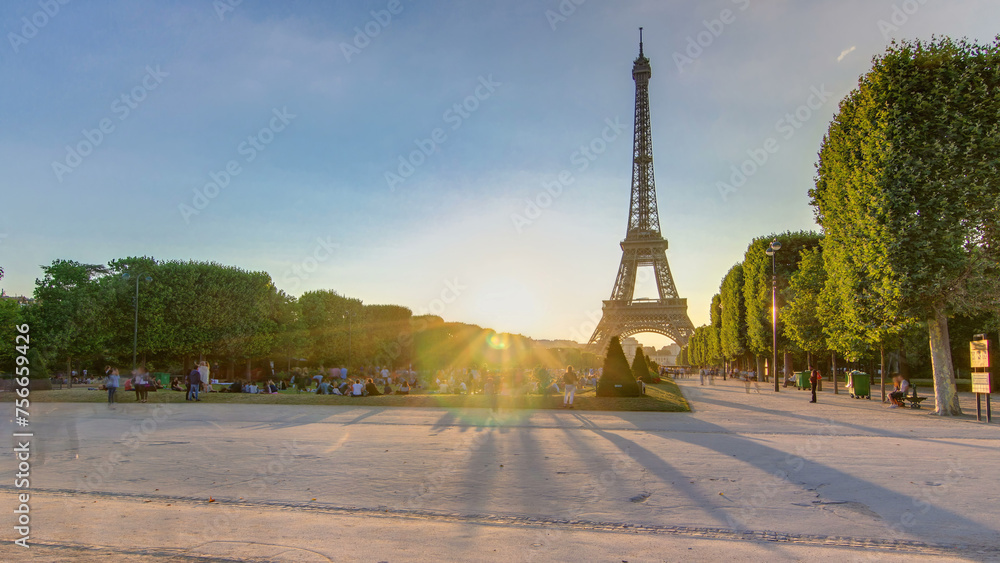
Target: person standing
205,372
492,393
814,378
140,383
194,382
569,387
111,384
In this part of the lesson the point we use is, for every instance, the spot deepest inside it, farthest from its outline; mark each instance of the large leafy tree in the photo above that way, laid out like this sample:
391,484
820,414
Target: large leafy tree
10,317
192,310
757,272
802,321
733,334
906,186
66,317
331,323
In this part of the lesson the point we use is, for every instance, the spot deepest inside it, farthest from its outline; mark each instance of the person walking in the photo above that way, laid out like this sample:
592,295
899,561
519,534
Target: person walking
194,382
492,393
111,384
569,390
141,385
814,377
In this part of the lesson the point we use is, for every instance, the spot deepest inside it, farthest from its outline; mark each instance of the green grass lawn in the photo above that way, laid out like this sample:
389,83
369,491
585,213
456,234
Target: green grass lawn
664,397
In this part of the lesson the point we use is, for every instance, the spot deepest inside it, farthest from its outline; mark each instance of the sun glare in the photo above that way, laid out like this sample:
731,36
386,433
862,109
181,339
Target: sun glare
506,305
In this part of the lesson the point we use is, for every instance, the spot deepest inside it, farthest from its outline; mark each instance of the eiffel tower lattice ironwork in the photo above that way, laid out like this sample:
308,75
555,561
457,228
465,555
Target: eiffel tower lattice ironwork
644,245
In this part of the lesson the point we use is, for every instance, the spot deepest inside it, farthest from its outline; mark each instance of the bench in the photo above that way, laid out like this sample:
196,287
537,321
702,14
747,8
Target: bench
913,398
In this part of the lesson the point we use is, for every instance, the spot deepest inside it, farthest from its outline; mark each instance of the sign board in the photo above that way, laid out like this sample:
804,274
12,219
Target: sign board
980,353
981,382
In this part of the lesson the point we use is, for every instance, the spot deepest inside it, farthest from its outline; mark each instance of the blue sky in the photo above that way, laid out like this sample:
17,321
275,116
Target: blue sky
313,207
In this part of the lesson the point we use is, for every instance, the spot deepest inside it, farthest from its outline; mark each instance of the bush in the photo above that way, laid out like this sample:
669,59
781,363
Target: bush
617,379
640,367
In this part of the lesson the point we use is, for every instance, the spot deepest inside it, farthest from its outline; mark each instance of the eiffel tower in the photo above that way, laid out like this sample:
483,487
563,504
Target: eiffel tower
644,245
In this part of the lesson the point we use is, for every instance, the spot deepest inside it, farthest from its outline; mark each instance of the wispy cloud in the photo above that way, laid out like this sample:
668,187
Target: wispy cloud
846,52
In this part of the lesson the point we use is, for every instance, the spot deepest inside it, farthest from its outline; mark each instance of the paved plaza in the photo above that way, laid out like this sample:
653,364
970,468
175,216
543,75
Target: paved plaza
746,477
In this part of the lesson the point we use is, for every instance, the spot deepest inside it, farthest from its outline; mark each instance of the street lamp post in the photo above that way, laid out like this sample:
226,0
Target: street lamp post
771,251
135,332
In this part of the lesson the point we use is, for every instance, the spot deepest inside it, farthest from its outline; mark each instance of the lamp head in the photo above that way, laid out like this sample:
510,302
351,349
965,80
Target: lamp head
775,245
769,251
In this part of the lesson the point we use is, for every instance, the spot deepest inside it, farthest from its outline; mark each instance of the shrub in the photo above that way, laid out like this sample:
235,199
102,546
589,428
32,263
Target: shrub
617,379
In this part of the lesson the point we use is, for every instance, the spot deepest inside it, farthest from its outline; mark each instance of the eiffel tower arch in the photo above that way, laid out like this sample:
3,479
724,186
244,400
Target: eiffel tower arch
644,245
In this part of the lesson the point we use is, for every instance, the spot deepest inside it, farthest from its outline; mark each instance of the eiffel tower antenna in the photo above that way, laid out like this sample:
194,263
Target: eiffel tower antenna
644,245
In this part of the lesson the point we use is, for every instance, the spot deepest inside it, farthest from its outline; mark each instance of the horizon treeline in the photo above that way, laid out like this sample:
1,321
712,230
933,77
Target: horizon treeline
83,316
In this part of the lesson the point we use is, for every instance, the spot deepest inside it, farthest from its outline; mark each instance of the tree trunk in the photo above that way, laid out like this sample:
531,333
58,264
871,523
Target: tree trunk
69,371
760,368
833,361
945,393
881,369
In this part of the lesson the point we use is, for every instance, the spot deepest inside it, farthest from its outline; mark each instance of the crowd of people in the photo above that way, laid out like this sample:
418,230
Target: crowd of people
374,381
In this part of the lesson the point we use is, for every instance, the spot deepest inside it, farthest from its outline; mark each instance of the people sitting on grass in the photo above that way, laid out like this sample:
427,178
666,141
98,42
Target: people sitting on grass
404,388
236,387
175,384
357,388
272,388
324,388
387,389
371,388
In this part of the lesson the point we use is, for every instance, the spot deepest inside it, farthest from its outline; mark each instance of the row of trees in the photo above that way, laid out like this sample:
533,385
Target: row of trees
83,316
906,194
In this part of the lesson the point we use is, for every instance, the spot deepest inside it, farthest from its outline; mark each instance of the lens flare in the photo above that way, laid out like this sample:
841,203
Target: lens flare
497,341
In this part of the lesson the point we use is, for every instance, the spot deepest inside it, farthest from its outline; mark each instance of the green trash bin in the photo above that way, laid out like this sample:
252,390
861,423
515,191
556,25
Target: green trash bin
802,380
163,378
860,385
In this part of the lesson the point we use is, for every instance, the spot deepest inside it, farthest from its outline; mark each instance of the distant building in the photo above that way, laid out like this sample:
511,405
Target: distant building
666,356
23,300
630,345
